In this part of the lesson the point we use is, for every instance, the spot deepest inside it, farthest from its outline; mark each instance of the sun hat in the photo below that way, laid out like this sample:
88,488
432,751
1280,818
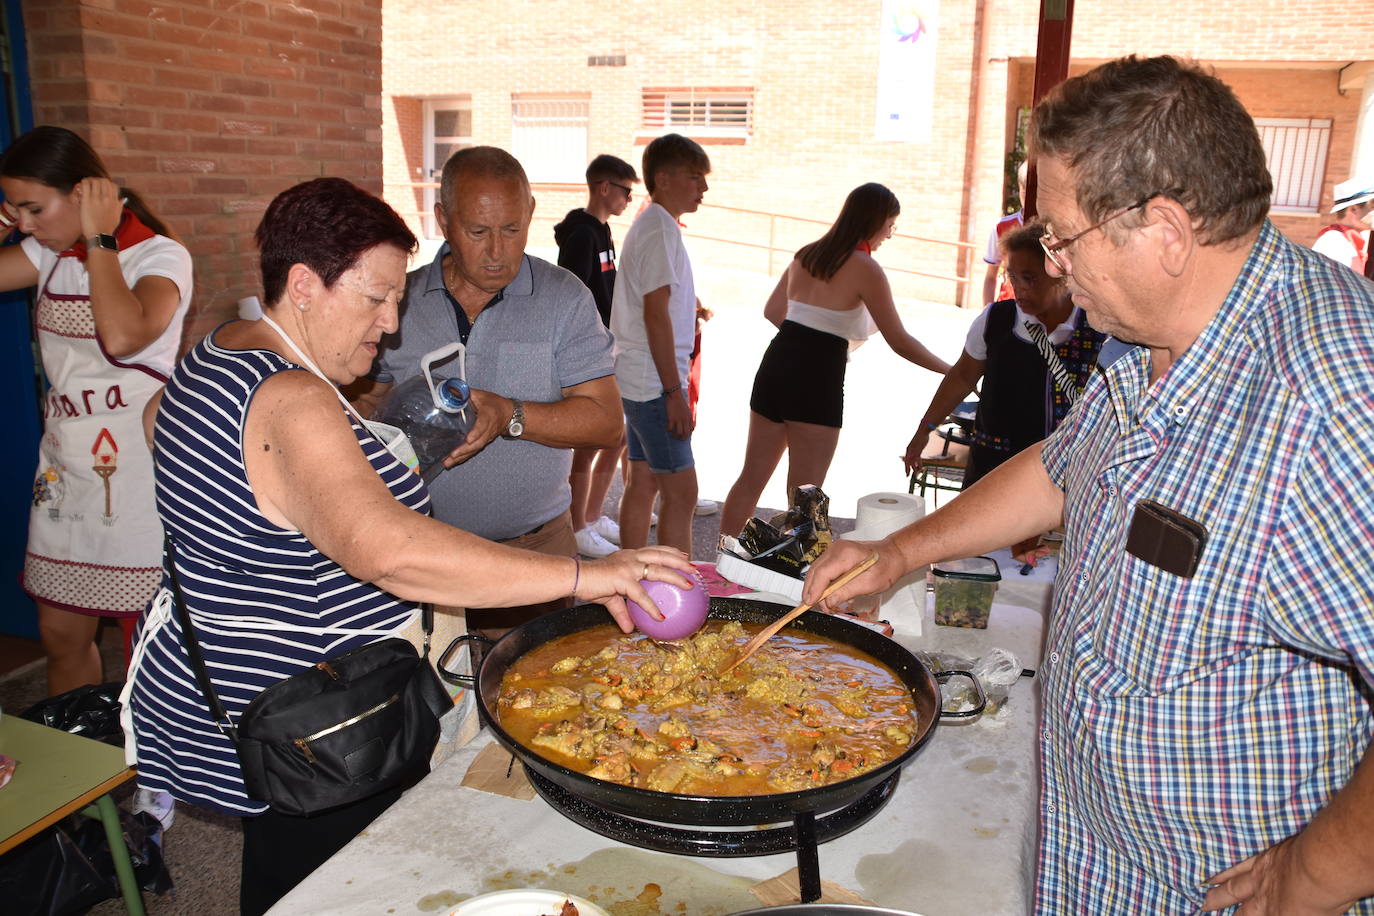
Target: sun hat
1352,192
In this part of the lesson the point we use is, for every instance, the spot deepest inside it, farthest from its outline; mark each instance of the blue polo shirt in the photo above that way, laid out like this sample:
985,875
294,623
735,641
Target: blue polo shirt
540,335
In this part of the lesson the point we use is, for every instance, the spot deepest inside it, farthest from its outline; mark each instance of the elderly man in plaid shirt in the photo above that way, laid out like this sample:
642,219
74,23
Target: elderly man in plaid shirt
1209,664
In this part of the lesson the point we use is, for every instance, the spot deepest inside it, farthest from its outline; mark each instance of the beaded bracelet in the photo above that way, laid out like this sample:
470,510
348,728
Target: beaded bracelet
577,573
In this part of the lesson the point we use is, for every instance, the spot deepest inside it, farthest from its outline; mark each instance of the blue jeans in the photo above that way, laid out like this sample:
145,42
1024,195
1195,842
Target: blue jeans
647,437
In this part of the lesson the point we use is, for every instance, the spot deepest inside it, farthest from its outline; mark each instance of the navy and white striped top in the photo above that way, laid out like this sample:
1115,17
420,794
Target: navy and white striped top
265,603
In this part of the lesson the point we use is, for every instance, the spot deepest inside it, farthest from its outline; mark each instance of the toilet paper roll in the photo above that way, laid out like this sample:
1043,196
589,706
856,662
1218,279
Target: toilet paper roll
878,515
884,513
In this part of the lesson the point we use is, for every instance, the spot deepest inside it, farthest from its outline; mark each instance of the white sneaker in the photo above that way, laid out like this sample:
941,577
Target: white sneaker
607,528
160,805
590,544
706,507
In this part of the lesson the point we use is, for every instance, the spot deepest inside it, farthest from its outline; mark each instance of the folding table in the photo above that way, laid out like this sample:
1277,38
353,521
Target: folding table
60,773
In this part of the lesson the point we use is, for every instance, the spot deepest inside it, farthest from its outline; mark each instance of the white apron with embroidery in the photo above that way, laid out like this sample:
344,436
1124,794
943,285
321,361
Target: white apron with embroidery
95,543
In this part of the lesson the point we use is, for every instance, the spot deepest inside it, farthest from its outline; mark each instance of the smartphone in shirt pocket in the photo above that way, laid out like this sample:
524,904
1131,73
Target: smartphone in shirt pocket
1166,539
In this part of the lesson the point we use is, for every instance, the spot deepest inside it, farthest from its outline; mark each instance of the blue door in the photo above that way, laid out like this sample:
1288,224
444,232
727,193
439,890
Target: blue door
18,379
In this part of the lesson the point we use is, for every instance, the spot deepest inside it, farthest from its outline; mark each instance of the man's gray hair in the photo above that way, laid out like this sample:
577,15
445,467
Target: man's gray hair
479,162
1134,128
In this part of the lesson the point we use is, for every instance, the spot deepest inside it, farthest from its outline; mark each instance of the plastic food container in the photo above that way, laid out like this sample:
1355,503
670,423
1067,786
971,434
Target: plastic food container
964,591
750,575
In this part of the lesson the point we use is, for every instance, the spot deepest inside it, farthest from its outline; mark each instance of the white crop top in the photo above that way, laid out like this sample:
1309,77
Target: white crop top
851,324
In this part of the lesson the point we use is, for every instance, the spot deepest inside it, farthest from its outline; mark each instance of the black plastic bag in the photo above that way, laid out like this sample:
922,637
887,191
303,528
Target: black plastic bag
142,834
791,541
91,711
758,537
808,519
49,875
67,869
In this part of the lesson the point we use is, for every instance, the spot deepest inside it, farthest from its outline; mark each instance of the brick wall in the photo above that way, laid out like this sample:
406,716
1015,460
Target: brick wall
812,64
1222,30
1280,93
209,108
1303,94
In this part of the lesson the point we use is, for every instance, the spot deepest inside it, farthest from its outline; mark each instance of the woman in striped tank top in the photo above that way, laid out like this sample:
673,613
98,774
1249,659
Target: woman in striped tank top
297,534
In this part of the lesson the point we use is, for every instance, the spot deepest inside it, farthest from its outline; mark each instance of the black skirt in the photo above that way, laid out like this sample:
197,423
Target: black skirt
801,377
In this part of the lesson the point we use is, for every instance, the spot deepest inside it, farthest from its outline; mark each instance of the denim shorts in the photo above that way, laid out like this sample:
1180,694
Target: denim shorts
648,439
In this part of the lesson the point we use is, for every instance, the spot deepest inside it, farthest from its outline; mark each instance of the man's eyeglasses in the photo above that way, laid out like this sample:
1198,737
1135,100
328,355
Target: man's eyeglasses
1055,250
627,190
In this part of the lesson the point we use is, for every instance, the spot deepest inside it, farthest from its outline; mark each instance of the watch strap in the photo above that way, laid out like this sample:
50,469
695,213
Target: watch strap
516,427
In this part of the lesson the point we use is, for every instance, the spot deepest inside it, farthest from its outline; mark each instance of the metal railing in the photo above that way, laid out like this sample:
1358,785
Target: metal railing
964,250
777,223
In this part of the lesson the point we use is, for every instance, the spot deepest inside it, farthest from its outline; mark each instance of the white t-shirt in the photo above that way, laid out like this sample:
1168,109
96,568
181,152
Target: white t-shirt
1334,244
994,253
158,256
652,257
975,346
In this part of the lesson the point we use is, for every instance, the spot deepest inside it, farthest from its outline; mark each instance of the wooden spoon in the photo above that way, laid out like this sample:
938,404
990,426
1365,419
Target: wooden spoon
763,635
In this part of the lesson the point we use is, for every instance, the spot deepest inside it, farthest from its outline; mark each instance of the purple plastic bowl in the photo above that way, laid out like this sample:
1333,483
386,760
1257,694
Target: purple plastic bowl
683,611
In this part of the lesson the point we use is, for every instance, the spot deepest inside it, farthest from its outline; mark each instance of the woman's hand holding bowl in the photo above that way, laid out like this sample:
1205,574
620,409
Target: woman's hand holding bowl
611,580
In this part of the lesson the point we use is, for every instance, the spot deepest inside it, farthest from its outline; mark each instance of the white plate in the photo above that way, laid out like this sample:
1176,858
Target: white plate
525,903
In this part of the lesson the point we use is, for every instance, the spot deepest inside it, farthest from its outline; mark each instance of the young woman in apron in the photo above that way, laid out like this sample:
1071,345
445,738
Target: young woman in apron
112,292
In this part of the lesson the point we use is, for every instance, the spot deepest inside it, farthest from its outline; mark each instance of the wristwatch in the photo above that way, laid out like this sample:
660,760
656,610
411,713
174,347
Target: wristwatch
102,240
516,427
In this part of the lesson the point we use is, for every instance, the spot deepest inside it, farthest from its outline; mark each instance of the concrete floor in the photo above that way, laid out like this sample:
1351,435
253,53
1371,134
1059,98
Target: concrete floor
885,396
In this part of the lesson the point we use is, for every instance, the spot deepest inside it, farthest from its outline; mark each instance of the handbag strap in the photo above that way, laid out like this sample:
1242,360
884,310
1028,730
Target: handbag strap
193,653
197,660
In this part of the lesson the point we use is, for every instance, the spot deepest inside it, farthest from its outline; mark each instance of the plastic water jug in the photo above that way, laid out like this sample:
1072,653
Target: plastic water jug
434,414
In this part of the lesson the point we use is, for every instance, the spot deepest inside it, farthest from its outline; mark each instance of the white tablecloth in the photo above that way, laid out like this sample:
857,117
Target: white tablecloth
956,839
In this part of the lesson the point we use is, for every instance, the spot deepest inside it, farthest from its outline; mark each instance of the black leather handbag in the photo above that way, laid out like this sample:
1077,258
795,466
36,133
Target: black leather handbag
338,732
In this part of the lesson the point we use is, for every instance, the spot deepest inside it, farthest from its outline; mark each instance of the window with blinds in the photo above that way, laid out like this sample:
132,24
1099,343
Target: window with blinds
1296,151
549,137
722,112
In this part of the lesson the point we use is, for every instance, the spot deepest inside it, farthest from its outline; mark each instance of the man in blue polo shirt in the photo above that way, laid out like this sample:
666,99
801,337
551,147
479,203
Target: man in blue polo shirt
538,358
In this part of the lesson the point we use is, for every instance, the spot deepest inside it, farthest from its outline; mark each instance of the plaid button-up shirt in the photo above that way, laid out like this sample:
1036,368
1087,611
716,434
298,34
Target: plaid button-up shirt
1192,722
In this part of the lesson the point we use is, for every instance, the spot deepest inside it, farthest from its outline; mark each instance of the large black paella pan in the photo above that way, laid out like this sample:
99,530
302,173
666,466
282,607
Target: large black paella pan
674,809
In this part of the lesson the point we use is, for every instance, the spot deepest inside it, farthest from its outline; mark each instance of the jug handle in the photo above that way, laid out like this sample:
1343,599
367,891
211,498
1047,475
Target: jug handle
435,356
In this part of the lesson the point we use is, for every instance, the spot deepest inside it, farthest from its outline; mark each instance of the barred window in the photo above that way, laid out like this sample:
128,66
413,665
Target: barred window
1296,151
549,137
698,111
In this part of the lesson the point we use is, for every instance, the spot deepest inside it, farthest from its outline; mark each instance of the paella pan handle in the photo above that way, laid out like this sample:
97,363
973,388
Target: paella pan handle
941,676
453,677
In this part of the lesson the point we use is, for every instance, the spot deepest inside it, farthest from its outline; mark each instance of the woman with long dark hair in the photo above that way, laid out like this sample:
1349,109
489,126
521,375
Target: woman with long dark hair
832,293
113,288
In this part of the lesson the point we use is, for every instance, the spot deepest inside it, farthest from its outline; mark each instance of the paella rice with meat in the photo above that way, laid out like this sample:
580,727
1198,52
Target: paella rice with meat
803,712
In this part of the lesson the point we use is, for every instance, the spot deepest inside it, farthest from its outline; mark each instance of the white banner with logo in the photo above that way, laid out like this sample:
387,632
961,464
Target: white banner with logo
906,70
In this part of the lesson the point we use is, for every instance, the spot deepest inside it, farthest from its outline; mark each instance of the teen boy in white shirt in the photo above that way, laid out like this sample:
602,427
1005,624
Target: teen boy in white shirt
654,322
